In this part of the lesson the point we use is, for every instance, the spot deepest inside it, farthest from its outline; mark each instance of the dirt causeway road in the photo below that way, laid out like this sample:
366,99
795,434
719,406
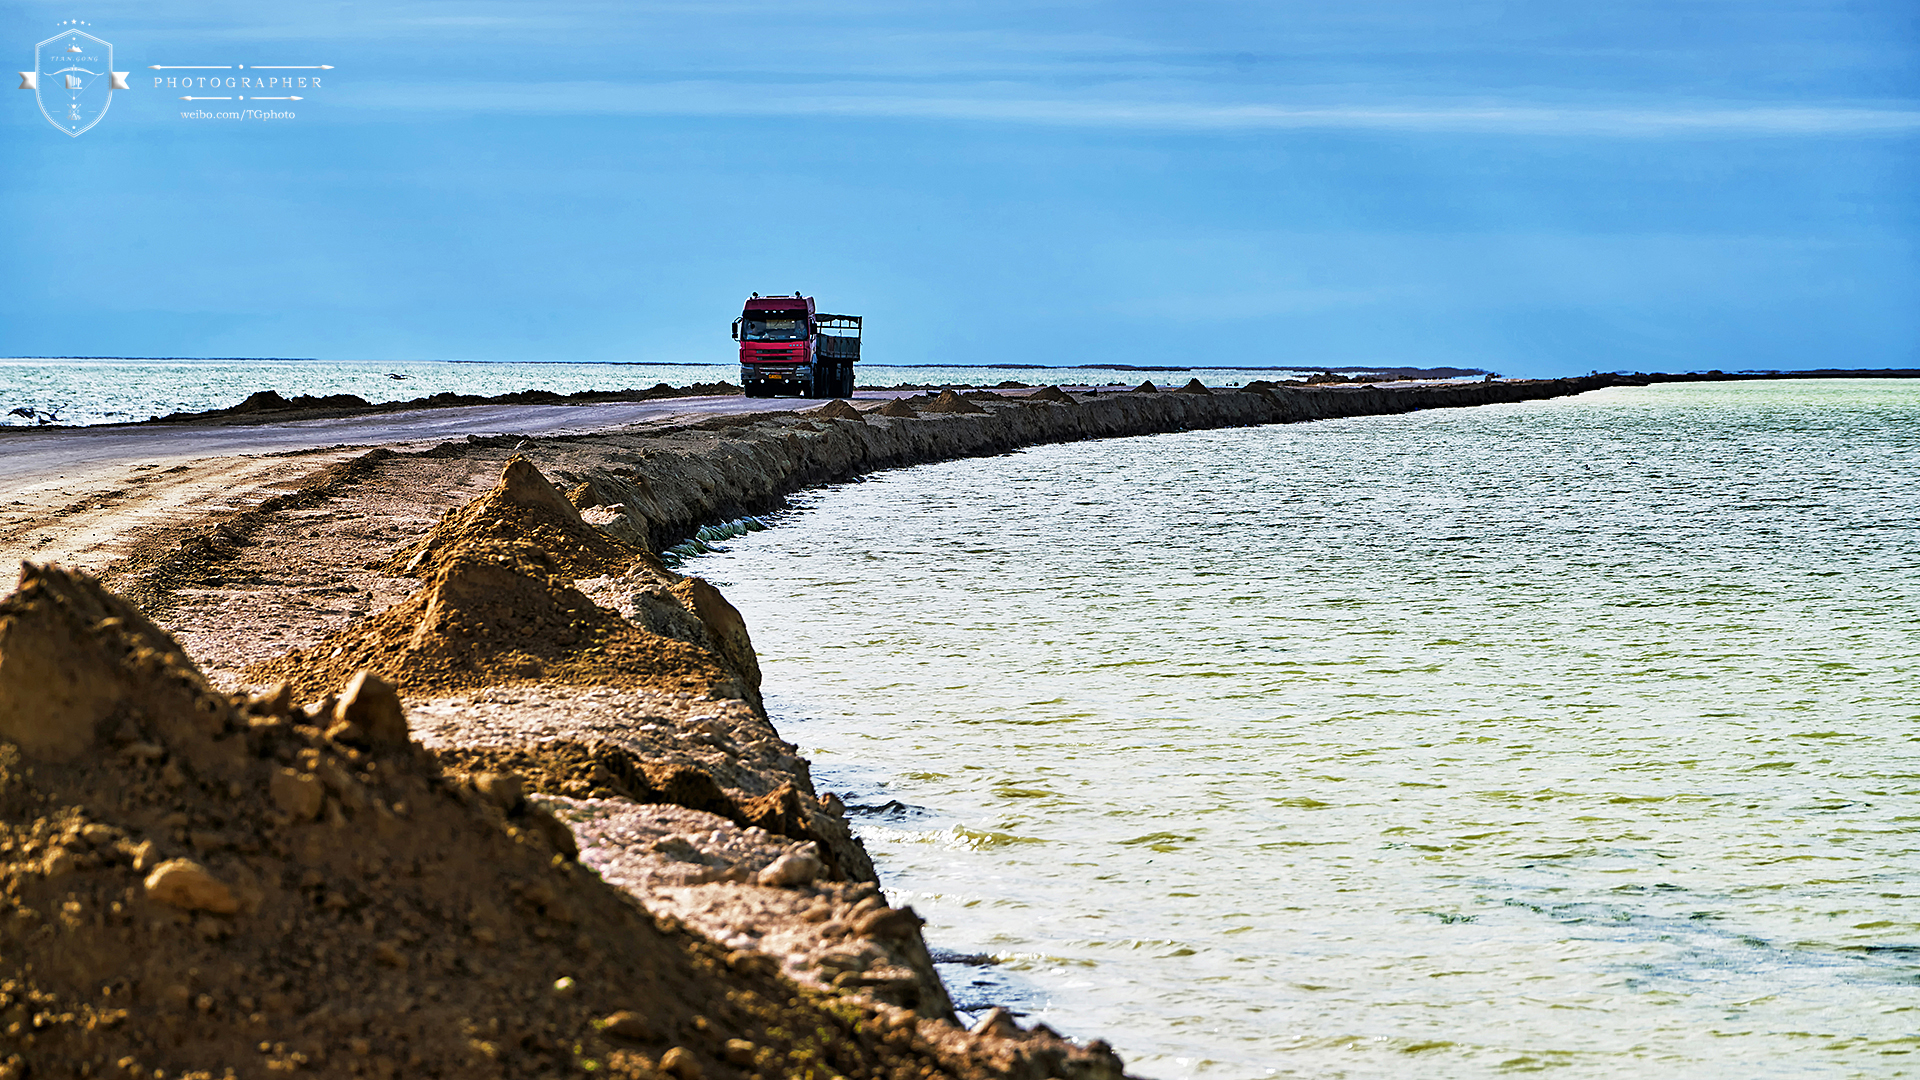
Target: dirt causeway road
79,496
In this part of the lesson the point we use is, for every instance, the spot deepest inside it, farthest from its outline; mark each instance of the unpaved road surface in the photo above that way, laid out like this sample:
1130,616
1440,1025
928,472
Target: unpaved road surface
28,453
81,496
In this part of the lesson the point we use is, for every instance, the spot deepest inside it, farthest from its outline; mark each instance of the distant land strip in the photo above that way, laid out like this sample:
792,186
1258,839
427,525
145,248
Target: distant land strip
1640,378
269,406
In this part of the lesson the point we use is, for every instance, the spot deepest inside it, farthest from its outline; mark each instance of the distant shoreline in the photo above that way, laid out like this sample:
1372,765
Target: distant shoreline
1640,378
1442,372
268,406
1438,372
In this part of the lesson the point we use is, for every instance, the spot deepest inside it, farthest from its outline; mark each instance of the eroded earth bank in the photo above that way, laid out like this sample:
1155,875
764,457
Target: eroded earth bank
427,766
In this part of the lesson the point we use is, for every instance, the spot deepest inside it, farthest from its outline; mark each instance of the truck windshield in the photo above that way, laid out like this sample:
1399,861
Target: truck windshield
775,326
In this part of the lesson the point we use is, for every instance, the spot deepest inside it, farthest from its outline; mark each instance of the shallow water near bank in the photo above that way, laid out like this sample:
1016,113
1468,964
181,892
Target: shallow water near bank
1576,733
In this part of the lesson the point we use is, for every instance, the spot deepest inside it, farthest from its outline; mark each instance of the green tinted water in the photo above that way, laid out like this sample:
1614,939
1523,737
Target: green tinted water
1573,734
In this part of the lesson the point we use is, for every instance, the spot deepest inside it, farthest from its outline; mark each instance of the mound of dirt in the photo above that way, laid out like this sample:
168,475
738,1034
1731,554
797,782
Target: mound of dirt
1051,393
1195,386
205,885
265,400
524,507
899,410
198,886
499,613
1146,387
836,409
950,402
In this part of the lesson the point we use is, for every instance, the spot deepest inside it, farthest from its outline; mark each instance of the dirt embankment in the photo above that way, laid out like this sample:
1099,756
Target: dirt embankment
570,842
663,488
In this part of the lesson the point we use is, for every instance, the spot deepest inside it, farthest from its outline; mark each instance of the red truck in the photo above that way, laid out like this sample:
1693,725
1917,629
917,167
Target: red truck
788,348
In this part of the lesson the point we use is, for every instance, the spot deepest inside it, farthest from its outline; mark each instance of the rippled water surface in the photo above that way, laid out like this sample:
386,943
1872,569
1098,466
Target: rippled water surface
1575,734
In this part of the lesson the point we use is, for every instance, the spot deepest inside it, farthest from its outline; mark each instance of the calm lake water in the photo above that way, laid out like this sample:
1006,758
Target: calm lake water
1579,736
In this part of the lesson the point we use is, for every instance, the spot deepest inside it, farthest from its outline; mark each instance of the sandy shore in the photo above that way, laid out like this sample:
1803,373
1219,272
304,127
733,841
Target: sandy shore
548,667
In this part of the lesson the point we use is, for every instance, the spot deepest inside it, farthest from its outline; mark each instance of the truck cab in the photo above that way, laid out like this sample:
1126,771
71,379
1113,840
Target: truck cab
788,347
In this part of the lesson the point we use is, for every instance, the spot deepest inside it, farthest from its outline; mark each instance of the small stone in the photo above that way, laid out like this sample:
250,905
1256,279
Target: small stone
503,789
749,962
627,1024
793,868
373,704
997,1022
297,794
559,837
97,834
564,986
739,1052
389,954
897,924
844,960
187,885
679,1062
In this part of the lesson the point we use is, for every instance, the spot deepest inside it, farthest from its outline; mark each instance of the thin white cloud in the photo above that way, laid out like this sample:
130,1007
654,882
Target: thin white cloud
886,102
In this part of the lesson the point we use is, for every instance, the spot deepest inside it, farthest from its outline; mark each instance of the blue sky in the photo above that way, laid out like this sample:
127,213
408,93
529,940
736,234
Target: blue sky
1536,188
